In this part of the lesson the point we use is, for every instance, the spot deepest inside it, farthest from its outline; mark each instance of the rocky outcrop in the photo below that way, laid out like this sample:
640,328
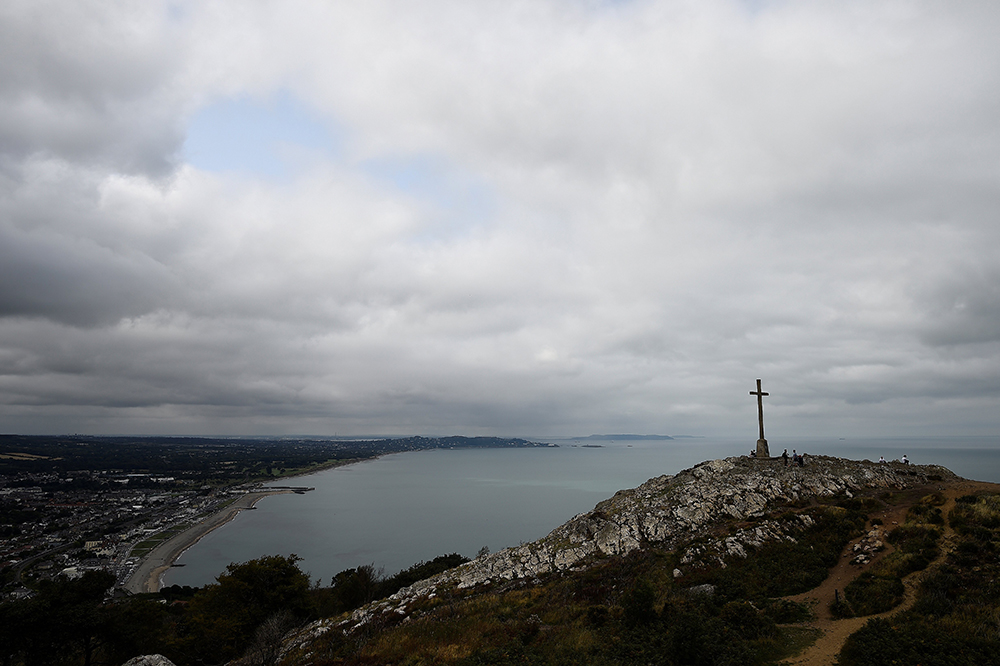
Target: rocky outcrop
872,543
675,512
149,660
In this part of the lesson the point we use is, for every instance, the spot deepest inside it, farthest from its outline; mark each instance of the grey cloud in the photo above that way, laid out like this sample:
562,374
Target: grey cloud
74,281
83,82
683,198
964,309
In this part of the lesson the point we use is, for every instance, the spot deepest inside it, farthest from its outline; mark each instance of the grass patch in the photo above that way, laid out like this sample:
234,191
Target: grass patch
972,512
955,617
783,611
869,594
794,641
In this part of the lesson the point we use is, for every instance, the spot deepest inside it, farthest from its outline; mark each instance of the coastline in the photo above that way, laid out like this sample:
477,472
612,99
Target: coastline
148,573
146,577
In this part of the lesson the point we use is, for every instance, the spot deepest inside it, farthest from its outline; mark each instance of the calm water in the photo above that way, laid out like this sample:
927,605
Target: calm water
410,507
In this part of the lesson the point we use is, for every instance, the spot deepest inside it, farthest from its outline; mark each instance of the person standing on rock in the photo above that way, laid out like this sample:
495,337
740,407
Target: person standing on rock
784,456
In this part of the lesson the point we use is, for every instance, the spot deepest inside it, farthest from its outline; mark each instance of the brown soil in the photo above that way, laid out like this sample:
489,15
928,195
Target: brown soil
834,632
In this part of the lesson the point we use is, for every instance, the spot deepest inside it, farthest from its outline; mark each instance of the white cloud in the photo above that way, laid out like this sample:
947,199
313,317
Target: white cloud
540,217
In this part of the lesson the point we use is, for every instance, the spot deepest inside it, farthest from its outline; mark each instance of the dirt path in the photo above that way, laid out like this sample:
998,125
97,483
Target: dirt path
834,632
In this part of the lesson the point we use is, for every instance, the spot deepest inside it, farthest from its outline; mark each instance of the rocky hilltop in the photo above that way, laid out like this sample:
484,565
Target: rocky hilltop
707,513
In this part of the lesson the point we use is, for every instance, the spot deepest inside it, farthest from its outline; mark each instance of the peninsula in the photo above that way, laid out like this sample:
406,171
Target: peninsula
799,558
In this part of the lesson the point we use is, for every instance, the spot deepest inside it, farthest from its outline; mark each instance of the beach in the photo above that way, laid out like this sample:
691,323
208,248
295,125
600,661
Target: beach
146,577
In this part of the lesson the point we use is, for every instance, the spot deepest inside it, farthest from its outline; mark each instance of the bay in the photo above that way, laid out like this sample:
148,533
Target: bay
401,509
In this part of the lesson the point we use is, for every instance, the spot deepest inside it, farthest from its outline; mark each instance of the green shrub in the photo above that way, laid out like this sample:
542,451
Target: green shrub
916,641
782,611
982,513
638,603
869,594
916,539
745,621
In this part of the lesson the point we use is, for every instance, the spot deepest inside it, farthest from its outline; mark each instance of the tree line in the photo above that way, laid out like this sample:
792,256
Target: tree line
244,613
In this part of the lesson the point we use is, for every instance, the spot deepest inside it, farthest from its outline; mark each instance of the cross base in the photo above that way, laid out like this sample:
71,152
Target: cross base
762,451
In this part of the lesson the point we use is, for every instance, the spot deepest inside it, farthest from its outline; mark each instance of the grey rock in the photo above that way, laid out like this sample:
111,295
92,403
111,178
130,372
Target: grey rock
149,660
705,590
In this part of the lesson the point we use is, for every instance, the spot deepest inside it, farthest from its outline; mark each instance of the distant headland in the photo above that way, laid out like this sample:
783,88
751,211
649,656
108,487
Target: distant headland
607,438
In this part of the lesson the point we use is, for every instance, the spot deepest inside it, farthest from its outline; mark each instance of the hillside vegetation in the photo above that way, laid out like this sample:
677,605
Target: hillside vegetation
637,590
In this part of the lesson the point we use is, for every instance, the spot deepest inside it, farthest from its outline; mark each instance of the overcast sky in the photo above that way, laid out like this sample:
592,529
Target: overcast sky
548,217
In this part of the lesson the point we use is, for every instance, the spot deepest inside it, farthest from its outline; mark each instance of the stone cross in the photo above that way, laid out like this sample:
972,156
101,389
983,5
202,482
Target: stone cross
762,451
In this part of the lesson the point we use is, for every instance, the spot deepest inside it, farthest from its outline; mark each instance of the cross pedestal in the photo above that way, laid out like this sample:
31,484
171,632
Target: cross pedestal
762,451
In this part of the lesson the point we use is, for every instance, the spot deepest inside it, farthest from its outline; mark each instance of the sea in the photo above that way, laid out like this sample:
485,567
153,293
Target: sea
405,508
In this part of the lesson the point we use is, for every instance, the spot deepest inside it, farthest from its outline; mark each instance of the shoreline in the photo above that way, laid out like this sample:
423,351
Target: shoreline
147,575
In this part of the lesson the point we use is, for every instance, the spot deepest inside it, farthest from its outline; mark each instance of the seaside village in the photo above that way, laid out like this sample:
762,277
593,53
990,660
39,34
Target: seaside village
93,520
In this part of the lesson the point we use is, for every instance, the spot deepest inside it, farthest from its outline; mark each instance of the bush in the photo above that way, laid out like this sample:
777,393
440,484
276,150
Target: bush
222,617
638,604
869,594
782,611
918,641
915,539
984,512
745,621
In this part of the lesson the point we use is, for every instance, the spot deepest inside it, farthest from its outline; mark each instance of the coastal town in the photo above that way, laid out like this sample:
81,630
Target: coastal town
95,520
74,504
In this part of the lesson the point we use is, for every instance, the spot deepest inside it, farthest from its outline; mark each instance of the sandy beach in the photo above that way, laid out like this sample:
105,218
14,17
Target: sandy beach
146,577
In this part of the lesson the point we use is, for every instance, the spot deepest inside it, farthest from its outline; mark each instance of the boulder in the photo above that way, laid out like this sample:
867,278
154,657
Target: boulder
149,660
